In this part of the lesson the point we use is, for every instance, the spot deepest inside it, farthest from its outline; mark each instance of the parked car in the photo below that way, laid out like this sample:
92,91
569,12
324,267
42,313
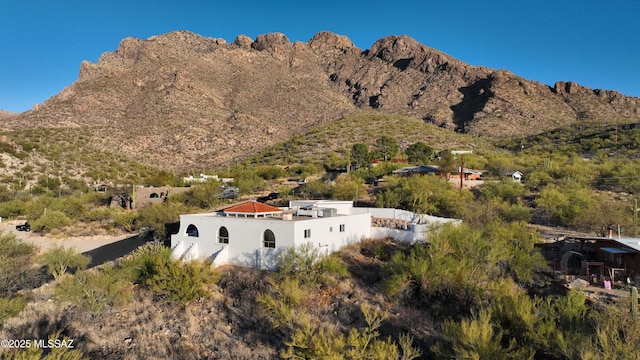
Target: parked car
24,227
229,192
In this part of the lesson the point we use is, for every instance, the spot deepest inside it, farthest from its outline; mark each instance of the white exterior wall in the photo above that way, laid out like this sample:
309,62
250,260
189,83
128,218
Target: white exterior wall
325,232
245,247
342,207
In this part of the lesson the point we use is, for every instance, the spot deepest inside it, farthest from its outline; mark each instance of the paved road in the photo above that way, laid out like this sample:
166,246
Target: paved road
101,248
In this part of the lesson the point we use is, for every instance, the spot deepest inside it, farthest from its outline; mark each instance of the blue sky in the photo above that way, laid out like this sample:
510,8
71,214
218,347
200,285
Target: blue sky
594,43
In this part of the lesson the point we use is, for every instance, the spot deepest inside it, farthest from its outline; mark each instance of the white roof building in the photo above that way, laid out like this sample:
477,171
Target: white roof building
253,234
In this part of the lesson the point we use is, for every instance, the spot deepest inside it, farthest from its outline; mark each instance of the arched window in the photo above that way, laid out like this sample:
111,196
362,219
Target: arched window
223,235
154,196
192,230
269,239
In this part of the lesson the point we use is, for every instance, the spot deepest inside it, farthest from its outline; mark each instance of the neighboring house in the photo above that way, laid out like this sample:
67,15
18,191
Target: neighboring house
145,196
376,162
204,178
252,234
419,170
515,175
595,258
469,174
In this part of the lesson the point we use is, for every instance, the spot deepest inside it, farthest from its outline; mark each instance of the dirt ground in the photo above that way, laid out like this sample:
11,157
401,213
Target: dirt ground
81,243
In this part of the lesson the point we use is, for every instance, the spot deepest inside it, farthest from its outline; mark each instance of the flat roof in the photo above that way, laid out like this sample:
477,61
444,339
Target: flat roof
616,250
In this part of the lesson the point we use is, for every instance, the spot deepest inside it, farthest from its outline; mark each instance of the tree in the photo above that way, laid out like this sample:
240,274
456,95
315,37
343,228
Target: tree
59,258
360,156
446,162
419,153
387,147
348,188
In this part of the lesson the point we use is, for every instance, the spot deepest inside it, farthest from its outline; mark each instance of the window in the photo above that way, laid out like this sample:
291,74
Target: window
341,227
223,235
307,233
269,239
154,196
192,230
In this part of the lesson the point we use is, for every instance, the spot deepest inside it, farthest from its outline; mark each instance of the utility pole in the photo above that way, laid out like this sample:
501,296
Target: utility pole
461,152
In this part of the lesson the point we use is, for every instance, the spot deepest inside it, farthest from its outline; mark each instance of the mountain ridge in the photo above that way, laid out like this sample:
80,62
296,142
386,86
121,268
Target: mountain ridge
182,100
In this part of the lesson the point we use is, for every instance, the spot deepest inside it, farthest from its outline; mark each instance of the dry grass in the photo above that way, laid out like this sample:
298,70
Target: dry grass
228,325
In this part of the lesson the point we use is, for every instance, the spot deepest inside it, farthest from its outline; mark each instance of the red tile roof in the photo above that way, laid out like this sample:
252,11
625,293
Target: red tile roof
252,207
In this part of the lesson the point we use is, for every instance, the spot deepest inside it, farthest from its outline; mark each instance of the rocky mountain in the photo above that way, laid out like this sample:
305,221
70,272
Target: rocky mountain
181,100
5,114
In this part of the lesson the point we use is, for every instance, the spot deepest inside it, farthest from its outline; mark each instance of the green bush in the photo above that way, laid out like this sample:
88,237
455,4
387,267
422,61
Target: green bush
477,338
309,342
153,267
565,204
59,258
157,216
50,220
94,290
125,219
16,261
10,307
307,264
182,282
12,209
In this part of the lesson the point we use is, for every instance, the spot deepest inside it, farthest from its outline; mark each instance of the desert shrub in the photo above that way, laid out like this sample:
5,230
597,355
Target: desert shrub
477,338
425,195
10,307
203,196
451,272
125,219
97,214
182,282
50,220
308,264
12,208
565,204
516,325
94,290
173,280
16,261
303,170
316,190
49,183
5,193
348,188
506,190
300,270
248,182
158,215
59,258
282,304
270,172
309,342
513,248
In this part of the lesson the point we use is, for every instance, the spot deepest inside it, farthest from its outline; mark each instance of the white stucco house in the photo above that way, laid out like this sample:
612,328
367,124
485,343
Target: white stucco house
252,234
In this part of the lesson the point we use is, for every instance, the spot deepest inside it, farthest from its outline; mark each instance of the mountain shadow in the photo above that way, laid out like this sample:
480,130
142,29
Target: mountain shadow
475,97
